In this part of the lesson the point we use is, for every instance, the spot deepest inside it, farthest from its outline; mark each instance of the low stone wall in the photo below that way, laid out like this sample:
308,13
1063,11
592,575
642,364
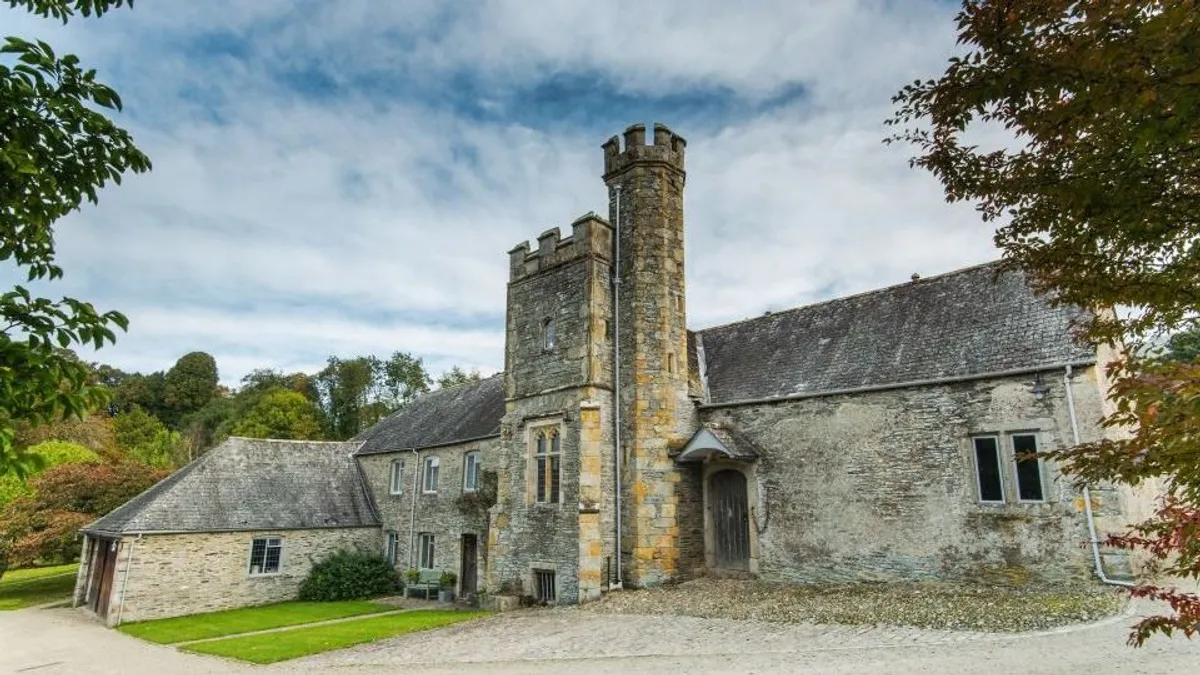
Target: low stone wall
165,575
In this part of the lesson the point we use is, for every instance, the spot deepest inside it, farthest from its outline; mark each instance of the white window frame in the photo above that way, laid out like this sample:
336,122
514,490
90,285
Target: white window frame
427,546
1012,448
390,546
396,477
431,467
267,546
471,471
999,450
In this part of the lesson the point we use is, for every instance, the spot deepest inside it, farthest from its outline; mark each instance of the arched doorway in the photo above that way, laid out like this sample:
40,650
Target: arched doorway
730,519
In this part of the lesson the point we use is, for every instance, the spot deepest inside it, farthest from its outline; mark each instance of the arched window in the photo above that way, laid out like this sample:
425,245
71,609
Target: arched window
547,457
548,336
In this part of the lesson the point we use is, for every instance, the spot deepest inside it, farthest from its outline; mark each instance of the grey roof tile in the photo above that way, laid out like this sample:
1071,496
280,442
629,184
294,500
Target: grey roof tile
440,417
972,321
252,484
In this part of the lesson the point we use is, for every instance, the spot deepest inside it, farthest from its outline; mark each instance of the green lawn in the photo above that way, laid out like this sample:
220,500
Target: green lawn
36,586
291,644
247,619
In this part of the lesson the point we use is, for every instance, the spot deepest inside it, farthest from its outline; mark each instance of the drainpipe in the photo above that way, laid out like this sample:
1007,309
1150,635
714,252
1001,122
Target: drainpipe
616,298
412,513
125,580
1087,495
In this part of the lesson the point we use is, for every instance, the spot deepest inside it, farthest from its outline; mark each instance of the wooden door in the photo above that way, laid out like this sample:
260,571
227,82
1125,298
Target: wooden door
104,567
730,520
469,569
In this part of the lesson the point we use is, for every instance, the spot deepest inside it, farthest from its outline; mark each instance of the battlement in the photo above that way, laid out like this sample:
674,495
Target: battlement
590,235
667,149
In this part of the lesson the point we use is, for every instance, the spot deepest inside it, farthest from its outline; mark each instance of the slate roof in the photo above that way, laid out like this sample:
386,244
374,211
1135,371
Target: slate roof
252,484
730,443
440,417
973,321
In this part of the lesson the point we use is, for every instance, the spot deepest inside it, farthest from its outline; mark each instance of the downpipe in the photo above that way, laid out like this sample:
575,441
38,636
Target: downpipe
616,392
412,512
1093,537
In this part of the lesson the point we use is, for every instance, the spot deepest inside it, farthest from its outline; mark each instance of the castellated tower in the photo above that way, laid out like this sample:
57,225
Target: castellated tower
645,189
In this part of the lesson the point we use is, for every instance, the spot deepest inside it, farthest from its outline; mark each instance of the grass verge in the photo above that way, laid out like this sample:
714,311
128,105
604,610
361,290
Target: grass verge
247,619
36,586
291,644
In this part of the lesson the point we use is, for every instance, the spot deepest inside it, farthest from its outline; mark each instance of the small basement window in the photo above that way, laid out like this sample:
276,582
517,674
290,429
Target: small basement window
1028,468
987,470
266,554
544,588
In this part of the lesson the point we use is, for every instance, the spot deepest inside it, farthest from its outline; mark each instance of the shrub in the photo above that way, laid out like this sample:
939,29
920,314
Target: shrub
448,579
413,575
350,575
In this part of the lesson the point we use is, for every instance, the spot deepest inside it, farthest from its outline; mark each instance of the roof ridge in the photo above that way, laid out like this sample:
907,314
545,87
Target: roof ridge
292,440
840,298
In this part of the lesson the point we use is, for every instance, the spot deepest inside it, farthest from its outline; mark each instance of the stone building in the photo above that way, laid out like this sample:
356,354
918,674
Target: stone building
882,436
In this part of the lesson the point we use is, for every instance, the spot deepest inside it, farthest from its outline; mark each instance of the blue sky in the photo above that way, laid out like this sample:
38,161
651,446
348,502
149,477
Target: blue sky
346,177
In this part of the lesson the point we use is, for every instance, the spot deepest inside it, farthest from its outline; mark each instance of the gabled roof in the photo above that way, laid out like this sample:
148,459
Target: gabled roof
455,414
252,484
718,440
974,321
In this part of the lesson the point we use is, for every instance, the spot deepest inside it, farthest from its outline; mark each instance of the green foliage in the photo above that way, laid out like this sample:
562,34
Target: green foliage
448,579
148,392
1184,345
281,413
57,149
146,439
43,525
50,454
350,575
1098,202
190,384
356,393
412,574
456,376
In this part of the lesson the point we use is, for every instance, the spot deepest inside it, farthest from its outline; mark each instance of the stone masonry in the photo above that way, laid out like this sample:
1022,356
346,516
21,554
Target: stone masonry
163,575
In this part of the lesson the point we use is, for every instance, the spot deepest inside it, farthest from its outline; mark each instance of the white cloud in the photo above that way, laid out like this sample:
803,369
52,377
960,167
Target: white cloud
277,229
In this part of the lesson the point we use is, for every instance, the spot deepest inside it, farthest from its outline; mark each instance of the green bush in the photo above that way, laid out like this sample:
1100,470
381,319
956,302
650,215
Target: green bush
350,575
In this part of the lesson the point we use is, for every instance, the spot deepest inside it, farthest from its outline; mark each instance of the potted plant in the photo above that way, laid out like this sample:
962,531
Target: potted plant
413,575
447,581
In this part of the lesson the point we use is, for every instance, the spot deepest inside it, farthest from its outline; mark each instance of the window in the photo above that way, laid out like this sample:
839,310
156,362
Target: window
671,363
431,474
397,477
548,337
548,458
425,542
987,469
390,548
543,586
471,472
265,555
1028,468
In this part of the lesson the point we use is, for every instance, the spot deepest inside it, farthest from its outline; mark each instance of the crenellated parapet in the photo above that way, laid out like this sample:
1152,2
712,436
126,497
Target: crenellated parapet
590,235
667,150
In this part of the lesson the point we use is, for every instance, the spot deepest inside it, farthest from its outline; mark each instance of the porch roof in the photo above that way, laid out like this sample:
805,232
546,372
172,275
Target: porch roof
717,440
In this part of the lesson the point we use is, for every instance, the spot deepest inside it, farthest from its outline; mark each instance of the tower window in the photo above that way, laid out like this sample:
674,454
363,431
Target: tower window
671,363
547,458
548,335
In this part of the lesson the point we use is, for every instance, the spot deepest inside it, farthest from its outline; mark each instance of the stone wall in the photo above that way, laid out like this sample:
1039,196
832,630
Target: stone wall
442,513
163,575
881,485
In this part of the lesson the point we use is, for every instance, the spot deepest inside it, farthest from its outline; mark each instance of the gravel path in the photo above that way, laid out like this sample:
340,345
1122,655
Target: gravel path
58,641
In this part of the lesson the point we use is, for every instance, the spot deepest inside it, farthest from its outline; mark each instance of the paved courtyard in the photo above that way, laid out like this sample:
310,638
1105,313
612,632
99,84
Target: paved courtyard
55,641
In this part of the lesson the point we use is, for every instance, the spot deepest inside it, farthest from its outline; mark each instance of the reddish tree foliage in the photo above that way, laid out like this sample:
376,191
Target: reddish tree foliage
43,526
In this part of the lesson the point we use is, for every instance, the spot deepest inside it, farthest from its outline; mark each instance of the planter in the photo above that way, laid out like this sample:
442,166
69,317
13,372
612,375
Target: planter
445,595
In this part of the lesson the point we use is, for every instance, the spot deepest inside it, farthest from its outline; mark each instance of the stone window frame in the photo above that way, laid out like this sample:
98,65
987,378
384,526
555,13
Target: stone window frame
549,335
471,460
426,543
430,462
551,433
391,547
266,547
1009,480
396,477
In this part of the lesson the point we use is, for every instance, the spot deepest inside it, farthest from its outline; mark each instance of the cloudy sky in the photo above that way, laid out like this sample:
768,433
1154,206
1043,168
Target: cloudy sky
346,177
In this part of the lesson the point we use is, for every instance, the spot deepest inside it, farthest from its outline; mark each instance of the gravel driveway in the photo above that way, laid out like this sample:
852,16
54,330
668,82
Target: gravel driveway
52,642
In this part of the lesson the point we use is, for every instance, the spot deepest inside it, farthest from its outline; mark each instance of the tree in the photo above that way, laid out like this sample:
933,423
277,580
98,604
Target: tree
43,526
281,413
56,150
51,454
456,376
189,385
1184,345
1098,201
146,439
356,393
